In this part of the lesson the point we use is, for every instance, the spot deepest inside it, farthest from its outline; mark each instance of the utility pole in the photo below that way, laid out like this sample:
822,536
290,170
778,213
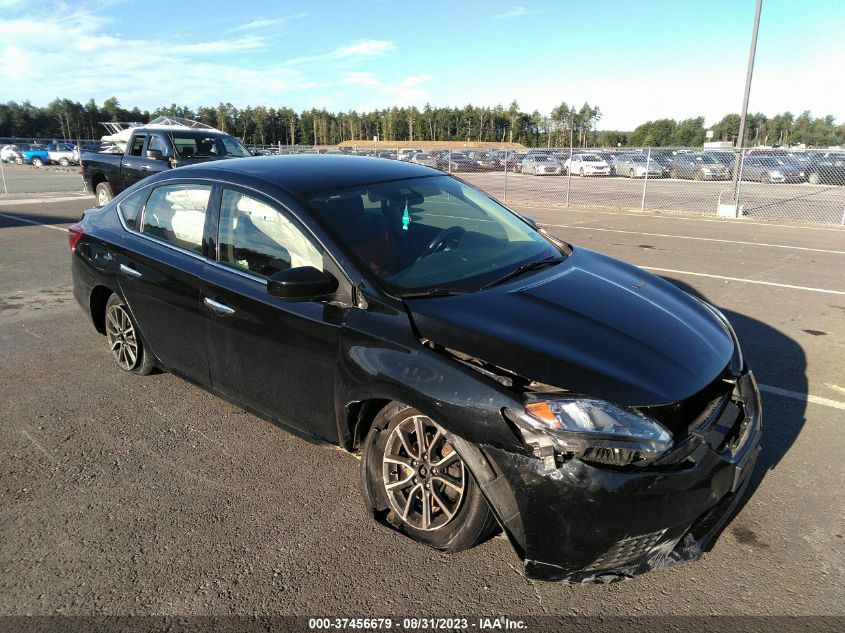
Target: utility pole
741,140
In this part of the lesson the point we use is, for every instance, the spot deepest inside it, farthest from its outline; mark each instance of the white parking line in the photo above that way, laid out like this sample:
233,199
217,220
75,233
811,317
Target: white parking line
20,219
10,203
747,281
655,215
690,237
803,397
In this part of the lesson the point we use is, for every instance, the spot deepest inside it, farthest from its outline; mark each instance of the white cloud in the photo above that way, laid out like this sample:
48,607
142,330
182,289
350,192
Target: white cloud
365,48
360,79
269,22
516,12
242,44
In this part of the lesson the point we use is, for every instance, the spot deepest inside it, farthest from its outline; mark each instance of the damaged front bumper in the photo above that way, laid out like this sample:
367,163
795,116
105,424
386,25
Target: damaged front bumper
579,522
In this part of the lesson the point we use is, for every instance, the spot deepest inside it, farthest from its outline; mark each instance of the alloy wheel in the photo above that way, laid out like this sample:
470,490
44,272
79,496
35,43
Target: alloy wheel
120,334
424,477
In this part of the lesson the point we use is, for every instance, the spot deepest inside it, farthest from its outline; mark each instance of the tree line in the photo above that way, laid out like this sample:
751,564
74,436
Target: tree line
565,124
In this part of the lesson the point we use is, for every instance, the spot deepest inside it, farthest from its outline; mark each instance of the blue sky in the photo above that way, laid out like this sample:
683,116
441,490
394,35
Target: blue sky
637,60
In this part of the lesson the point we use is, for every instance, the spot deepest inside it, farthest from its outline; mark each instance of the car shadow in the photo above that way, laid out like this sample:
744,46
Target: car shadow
778,360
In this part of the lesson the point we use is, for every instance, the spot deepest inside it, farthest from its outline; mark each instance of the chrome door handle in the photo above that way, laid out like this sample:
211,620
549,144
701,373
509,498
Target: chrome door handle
129,271
218,308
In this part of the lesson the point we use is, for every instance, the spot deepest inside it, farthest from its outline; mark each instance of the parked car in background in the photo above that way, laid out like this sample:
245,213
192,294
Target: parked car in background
587,164
514,161
637,166
63,154
35,155
725,157
428,159
826,169
490,375
408,154
540,165
484,161
11,154
150,150
452,161
698,166
770,168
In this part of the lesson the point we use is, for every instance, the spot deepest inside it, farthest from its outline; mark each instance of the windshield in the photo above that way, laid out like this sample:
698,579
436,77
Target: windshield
198,146
591,158
424,233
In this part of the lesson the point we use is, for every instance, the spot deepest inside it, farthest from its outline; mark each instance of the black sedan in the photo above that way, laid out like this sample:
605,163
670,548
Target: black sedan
492,376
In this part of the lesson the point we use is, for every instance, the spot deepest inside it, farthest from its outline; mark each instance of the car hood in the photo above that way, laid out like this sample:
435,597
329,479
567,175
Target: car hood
591,325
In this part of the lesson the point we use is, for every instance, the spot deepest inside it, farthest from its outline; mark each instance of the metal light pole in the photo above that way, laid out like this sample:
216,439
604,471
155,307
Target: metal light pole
748,74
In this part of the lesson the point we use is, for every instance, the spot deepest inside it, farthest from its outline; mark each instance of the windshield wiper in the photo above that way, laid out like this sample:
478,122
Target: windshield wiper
434,292
551,260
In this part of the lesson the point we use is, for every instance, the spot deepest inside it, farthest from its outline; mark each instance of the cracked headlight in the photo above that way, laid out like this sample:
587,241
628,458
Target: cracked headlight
596,430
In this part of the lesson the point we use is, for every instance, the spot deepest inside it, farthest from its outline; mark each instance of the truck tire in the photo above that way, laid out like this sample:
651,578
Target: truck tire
104,194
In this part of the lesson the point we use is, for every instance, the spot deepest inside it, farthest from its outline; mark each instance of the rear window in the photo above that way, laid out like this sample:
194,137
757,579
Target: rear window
176,214
130,208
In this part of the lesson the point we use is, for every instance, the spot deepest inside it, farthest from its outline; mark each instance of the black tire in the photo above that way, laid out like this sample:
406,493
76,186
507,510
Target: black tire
18,160
37,162
103,193
471,520
581,173
631,174
118,321
64,162
814,178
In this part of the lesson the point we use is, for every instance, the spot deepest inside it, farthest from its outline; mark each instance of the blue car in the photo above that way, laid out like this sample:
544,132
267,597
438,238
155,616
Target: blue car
34,154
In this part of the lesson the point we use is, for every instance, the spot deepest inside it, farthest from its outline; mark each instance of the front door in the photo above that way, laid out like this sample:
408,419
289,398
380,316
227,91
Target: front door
277,357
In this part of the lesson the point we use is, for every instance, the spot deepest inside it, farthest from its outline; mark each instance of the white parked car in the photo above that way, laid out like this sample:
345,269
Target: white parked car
539,164
63,153
11,154
587,165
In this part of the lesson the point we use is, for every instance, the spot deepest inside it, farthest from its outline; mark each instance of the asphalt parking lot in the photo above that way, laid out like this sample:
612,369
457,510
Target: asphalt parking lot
129,495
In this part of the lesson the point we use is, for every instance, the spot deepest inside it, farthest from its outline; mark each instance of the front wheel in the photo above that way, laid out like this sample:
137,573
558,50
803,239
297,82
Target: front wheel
37,162
64,162
631,174
104,194
814,179
124,340
581,173
415,480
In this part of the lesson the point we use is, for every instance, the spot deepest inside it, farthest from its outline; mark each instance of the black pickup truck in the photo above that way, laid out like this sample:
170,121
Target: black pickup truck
151,150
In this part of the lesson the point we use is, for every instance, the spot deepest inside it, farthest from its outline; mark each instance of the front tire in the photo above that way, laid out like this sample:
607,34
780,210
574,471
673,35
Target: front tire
37,162
415,481
64,162
124,339
104,194
814,179
631,174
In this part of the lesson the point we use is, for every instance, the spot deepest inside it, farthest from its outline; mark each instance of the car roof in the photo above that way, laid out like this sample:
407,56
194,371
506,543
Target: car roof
303,173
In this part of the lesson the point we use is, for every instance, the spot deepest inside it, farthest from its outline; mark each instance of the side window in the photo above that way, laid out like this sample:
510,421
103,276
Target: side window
137,144
176,214
158,142
257,238
130,208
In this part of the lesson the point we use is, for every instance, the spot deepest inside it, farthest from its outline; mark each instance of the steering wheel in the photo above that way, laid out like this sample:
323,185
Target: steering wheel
439,241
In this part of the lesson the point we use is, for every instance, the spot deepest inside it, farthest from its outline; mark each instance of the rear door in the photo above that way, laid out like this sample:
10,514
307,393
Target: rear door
161,268
130,169
277,357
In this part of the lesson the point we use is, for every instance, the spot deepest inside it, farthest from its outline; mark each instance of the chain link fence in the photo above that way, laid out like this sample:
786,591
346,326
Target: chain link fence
764,184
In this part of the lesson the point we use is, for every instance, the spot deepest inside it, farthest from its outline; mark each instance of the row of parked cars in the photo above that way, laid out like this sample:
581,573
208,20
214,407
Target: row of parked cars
63,154
763,165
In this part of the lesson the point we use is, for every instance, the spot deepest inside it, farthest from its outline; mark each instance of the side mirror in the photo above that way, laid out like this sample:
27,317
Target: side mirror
155,154
530,221
304,283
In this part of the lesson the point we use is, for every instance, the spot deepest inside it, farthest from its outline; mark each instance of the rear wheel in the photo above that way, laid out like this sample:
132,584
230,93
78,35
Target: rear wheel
581,173
37,162
104,194
64,162
631,174
414,478
696,175
814,179
124,339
